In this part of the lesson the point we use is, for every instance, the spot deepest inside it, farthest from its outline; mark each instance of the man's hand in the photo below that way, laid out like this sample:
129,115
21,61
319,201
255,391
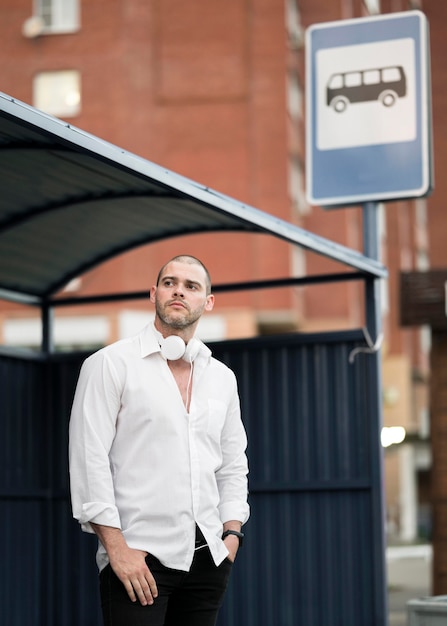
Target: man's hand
130,567
232,544
128,564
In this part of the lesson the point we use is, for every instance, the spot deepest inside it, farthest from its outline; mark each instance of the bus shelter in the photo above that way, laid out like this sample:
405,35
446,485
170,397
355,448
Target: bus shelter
315,550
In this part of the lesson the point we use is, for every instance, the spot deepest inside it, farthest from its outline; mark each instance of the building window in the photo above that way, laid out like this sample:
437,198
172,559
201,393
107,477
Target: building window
297,193
294,98
373,6
58,16
58,93
293,25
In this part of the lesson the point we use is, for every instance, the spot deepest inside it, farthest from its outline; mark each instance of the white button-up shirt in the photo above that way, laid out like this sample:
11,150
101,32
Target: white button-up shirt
140,462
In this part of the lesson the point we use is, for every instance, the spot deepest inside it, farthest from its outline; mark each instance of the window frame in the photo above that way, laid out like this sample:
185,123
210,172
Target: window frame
59,16
47,79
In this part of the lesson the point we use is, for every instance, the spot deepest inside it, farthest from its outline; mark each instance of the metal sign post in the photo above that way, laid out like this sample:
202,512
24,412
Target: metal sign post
368,140
371,248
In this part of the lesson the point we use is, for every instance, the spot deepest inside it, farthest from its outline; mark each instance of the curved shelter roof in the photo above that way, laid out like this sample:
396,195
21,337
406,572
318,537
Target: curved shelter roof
69,201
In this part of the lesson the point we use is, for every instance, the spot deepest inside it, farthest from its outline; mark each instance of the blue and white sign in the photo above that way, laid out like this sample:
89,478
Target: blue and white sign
368,123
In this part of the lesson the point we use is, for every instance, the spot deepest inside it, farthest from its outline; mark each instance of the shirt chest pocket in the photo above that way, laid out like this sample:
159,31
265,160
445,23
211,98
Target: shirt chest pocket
216,418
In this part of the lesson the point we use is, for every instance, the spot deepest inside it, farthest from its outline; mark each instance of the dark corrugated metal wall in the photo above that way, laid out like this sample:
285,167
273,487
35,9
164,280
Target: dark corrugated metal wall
48,576
309,556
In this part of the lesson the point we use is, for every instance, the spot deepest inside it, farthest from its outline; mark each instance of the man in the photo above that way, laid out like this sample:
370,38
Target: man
157,462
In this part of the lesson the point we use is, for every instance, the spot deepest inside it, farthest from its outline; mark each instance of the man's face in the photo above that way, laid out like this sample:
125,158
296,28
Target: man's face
180,297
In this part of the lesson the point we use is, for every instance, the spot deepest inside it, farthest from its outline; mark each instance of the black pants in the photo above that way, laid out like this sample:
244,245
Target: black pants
184,598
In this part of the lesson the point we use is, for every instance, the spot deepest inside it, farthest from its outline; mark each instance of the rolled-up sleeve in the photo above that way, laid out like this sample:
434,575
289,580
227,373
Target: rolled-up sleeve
232,475
92,430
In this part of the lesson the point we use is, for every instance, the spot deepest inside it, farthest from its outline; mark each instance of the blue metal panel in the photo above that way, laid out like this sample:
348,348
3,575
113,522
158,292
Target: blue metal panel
311,554
310,557
48,571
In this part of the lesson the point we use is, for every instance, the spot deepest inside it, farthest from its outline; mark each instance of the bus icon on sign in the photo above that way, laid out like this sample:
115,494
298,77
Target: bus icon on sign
384,84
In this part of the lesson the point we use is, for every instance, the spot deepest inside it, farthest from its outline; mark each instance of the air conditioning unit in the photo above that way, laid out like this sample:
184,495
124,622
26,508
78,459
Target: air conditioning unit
33,27
430,611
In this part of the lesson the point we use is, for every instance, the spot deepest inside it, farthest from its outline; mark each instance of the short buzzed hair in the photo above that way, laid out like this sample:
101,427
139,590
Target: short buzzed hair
192,260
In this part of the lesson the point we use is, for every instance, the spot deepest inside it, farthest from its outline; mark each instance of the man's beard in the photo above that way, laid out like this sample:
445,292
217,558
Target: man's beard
178,322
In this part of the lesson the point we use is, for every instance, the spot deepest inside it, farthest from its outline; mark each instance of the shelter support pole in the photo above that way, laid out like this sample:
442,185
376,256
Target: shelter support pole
47,313
371,249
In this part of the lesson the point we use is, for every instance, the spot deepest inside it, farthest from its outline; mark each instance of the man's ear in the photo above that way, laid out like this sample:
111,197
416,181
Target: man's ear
152,293
209,303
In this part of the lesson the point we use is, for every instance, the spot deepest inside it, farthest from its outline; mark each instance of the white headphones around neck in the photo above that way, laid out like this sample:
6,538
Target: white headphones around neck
173,347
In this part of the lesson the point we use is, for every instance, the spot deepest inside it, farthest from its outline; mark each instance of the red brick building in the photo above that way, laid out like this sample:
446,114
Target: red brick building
214,90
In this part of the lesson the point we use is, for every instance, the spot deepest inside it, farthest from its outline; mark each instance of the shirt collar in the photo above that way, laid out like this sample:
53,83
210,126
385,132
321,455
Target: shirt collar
148,341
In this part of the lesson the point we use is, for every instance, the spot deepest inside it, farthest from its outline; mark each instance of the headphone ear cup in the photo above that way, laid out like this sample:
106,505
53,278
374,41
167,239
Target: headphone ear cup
172,348
192,350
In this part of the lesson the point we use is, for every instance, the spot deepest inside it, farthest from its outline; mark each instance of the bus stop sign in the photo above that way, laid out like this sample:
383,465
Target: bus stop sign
368,110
